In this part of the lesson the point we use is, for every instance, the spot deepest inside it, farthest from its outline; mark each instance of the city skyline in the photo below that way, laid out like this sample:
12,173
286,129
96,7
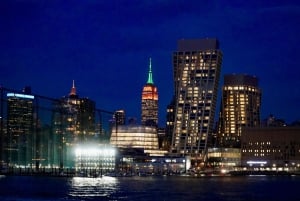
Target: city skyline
47,45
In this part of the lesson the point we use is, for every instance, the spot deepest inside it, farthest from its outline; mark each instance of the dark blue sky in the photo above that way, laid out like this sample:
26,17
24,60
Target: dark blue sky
105,46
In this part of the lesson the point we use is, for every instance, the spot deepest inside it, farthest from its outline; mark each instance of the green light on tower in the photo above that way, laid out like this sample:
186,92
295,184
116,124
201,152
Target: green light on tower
150,80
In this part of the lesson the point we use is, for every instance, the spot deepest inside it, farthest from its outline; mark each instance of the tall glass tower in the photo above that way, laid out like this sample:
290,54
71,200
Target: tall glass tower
150,101
20,145
240,107
197,66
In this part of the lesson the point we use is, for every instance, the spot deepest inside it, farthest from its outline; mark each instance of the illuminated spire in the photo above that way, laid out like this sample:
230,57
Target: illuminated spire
150,80
73,90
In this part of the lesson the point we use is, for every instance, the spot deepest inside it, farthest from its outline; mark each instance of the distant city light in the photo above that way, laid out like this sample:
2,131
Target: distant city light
94,157
257,162
94,151
20,95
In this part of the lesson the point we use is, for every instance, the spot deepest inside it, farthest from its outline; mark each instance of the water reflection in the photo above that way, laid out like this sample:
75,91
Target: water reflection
103,187
268,188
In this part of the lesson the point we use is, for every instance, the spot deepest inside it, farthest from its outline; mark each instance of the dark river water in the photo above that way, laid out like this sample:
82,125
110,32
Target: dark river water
262,188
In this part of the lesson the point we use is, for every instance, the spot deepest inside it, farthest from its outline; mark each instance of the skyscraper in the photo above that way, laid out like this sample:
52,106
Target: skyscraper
73,123
197,66
19,145
240,107
150,101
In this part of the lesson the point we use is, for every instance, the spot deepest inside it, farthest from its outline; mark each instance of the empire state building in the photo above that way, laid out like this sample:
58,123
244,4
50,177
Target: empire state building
150,101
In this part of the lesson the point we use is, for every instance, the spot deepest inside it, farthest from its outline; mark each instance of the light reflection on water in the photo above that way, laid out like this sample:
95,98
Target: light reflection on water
103,187
267,188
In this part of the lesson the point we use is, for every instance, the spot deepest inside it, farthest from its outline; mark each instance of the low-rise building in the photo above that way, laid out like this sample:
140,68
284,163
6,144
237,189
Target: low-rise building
224,157
271,147
94,159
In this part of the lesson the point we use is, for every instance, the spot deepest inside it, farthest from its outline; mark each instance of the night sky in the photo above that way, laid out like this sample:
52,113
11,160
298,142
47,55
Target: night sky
105,47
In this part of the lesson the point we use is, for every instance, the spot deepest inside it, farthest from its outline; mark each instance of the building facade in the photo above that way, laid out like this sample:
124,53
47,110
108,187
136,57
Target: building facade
227,158
73,123
150,101
136,137
273,147
133,136
197,66
94,160
19,140
240,107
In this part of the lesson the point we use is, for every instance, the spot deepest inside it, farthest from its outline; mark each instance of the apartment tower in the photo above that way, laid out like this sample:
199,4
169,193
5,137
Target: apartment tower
240,107
197,66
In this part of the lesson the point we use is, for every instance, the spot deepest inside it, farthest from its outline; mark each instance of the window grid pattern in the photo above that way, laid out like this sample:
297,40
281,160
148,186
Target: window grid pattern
240,108
196,77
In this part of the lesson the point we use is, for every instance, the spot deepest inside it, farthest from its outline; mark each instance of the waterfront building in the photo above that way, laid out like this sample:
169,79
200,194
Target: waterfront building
271,147
160,165
240,107
19,139
137,137
150,101
197,66
73,123
94,160
226,158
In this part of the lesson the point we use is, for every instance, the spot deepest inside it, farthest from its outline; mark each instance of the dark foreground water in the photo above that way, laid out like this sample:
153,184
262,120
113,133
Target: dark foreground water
262,188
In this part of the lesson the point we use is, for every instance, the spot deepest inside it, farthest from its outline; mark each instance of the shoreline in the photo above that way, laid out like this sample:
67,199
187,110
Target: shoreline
195,175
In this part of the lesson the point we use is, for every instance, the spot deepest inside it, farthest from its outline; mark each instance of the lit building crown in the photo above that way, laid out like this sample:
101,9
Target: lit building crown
149,100
150,90
149,93
73,90
150,80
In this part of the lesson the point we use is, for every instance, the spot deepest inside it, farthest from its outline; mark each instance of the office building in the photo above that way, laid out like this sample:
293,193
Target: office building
197,66
150,101
19,145
226,158
240,107
73,123
136,137
276,148
94,160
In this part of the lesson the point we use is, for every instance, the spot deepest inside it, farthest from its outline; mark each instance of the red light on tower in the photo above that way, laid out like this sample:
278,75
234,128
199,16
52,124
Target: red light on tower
149,100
